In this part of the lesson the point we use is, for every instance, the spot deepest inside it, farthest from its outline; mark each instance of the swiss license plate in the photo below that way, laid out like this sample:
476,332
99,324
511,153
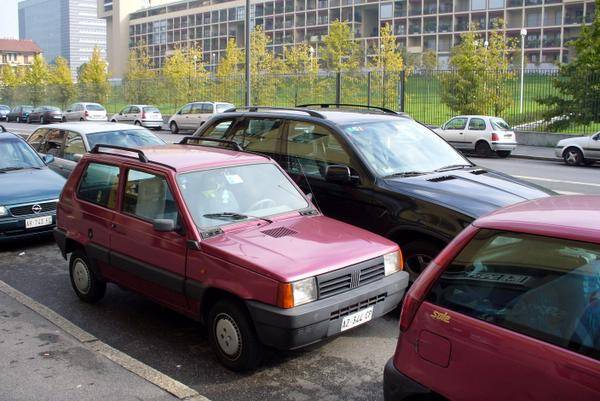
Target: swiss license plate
38,222
357,318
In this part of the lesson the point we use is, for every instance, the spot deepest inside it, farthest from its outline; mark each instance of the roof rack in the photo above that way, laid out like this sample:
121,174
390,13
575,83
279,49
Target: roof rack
338,105
254,109
232,144
140,155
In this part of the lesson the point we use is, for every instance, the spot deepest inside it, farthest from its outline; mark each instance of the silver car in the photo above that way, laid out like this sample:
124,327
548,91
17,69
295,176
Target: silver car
144,115
85,112
580,150
193,115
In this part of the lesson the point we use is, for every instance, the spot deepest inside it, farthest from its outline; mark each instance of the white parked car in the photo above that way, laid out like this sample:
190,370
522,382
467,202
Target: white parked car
482,134
193,115
580,150
85,112
143,115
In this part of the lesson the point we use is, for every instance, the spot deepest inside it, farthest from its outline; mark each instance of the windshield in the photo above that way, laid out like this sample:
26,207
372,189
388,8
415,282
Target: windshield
222,107
226,195
130,138
5,108
17,155
151,110
500,124
27,108
94,107
402,146
51,108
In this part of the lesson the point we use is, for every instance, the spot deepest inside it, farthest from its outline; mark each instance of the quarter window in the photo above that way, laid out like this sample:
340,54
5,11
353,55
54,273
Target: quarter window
99,184
74,147
542,287
477,124
457,123
148,196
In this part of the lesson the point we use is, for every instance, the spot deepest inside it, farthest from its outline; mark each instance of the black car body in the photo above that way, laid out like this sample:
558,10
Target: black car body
4,110
322,150
19,114
45,114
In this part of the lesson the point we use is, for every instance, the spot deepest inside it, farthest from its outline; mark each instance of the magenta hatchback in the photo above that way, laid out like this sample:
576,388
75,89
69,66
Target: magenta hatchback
225,237
510,310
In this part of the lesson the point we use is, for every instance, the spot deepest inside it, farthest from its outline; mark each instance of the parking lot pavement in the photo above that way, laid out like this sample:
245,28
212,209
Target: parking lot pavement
348,367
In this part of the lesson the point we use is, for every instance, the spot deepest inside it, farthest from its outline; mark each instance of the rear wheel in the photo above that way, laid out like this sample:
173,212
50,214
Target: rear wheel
417,256
573,157
174,128
503,154
482,148
81,119
88,287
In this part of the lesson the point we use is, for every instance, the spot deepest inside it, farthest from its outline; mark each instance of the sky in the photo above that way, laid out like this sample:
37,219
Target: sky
9,19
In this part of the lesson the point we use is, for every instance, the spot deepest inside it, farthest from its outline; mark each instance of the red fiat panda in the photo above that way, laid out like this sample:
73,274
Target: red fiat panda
225,237
510,310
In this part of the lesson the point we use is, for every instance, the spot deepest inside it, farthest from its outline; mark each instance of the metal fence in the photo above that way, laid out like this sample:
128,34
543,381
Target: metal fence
418,93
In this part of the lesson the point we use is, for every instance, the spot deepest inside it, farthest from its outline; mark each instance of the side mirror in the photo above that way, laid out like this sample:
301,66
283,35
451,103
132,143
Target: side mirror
338,173
77,157
164,225
48,158
69,110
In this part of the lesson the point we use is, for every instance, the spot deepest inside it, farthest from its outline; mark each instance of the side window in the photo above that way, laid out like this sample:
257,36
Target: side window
538,286
259,135
186,109
54,143
99,184
74,147
134,110
148,196
312,147
477,124
207,108
218,129
125,110
457,123
36,140
196,108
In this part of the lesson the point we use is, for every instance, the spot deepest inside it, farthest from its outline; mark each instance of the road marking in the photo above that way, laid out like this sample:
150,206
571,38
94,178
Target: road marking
129,363
559,181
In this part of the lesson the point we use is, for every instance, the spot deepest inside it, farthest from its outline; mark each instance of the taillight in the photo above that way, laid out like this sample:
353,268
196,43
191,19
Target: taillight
143,115
87,113
495,137
410,306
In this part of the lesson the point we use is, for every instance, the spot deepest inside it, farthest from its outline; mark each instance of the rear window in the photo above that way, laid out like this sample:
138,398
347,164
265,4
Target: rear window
99,184
498,123
222,107
130,138
151,110
94,107
542,287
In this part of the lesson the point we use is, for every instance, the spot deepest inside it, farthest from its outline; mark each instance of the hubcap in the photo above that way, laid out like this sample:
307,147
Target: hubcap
81,276
416,264
228,336
572,157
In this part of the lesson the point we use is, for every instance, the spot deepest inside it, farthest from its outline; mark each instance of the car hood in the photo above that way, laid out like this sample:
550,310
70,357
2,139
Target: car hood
314,245
31,185
473,192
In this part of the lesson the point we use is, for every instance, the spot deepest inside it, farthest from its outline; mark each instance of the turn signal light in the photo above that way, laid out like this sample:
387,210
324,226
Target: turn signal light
285,296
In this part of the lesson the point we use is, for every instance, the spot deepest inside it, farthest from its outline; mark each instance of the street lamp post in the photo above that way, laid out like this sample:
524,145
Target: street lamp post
247,37
523,34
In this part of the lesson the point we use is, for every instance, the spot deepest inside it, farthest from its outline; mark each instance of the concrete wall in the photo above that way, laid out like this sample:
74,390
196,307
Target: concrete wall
541,138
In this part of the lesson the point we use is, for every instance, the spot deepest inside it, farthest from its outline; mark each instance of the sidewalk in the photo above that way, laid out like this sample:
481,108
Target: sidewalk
534,152
39,361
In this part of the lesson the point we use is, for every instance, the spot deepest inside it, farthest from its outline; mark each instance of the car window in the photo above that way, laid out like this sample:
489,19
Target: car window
134,109
78,107
498,123
17,155
546,288
126,137
312,147
54,143
94,107
259,135
456,123
37,138
221,107
148,196
196,108
151,109
207,108
477,124
218,129
74,146
99,184
186,109
27,108
125,110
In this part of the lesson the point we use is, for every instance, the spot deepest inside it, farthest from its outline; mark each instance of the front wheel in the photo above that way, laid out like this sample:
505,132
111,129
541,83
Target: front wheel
232,336
174,128
573,157
86,284
503,154
139,124
417,256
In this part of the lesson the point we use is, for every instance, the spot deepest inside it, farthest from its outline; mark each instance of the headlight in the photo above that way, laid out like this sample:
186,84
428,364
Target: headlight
392,262
297,293
3,211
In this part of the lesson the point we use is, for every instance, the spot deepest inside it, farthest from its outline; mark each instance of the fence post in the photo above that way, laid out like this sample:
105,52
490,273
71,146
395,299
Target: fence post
369,88
401,89
338,87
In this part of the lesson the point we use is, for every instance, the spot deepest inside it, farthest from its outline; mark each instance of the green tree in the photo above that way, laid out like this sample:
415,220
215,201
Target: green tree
389,63
138,79
10,83
578,82
303,67
429,60
37,77
477,82
93,78
61,79
183,73
341,51
230,72
262,64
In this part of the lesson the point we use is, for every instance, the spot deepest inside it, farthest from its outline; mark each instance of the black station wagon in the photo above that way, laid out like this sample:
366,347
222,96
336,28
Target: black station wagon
376,169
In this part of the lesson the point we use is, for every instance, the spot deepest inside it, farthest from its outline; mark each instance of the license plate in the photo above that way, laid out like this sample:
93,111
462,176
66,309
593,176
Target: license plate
357,318
38,222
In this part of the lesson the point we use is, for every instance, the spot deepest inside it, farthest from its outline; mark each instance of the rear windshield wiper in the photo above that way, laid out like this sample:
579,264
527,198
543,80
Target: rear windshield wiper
452,167
233,216
407,174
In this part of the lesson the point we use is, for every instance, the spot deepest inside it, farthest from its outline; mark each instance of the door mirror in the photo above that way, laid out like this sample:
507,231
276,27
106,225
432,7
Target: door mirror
69,110
337,173
47,158
77,157
164,225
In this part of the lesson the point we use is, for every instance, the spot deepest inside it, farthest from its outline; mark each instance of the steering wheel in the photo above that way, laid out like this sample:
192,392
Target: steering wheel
262,204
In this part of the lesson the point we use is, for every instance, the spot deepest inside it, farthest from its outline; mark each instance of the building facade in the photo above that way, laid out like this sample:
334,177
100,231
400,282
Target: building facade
66,28
18,53
420,25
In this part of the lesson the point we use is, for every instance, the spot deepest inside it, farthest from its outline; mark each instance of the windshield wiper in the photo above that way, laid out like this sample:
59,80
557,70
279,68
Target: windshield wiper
407,174
13,168
234,216
452,167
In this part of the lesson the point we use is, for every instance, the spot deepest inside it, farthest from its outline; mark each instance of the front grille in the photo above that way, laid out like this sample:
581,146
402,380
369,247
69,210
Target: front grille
28,209
339,281
356,307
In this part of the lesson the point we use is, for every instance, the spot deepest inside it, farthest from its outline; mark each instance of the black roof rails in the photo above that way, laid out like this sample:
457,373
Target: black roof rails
254,109
140,155
232,144
339,105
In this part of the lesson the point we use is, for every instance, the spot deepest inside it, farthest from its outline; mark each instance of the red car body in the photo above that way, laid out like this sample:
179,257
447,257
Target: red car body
514,352
247,264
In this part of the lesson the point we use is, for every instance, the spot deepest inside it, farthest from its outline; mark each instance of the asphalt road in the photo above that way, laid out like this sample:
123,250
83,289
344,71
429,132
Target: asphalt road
348,367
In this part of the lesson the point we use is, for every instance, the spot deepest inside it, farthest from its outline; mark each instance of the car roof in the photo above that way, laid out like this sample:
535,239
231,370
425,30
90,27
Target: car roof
9,135
183,158
88,127
338,117
575,217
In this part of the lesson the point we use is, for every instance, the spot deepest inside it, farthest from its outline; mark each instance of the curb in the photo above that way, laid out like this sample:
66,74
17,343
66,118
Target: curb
162,381
530,157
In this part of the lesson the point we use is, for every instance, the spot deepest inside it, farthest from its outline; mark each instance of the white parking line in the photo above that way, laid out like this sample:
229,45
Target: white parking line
559,181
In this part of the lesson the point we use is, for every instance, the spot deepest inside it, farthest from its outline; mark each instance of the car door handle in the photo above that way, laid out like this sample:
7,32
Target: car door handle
116,228
460,133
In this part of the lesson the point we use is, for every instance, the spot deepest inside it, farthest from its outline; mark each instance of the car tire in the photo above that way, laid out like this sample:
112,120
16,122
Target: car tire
417,256
573,156
42,120
86,284
174,128
232,336
503,154
64,119
113,121
139,124
17,119
482,148
81,119
28,120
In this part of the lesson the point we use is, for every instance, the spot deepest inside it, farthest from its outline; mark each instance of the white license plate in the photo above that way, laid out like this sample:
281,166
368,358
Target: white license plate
38,222
357,318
